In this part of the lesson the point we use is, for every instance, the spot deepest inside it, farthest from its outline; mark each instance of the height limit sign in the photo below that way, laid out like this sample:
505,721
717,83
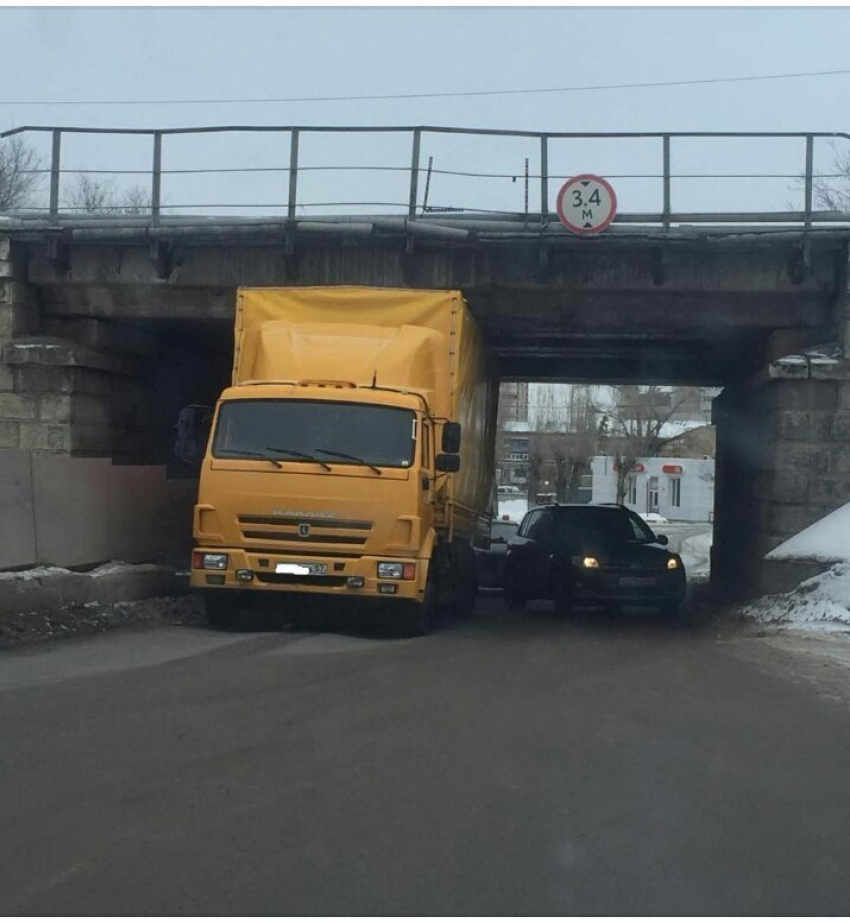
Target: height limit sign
586,204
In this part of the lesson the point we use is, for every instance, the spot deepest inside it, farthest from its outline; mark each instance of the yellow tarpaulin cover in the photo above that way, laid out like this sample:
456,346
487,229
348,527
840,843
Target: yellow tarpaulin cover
418,340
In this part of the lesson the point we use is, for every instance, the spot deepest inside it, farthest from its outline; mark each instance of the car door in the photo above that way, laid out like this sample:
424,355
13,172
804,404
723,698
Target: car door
531,554
543,535
521,554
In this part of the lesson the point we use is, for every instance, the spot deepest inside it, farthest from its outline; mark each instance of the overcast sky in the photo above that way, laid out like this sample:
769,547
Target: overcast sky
194,53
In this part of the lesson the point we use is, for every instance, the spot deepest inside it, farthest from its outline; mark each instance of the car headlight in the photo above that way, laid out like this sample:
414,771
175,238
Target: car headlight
585,561
672,563
214,562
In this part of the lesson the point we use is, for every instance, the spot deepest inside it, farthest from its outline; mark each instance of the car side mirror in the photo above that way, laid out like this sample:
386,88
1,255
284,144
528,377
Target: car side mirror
451,438
662,539
448,463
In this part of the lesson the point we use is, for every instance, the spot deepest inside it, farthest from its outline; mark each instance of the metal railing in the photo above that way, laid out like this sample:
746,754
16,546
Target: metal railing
416,206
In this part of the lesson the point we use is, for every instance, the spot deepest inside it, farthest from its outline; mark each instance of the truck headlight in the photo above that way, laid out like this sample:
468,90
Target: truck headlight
396,570
672,563
214,562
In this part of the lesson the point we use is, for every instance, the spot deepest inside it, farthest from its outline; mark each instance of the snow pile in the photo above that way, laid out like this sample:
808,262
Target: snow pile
119,567
828,540
821,603
696,554
828,354
653,518
34,573
515,509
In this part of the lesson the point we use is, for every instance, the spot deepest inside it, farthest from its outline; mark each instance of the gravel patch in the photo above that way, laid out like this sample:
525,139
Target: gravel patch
94,618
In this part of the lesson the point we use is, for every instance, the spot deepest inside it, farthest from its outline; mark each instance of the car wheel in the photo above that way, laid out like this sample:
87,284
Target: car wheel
514,600
563,598
673,612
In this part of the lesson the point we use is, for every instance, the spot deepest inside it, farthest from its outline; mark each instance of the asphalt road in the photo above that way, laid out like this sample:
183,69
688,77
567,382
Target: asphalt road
516,764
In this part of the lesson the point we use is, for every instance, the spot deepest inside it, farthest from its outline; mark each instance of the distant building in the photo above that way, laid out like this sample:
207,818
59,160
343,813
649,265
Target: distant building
676,488
513,402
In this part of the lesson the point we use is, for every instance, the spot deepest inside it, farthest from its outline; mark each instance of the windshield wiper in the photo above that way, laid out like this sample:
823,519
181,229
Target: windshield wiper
318,461
242,453
354,458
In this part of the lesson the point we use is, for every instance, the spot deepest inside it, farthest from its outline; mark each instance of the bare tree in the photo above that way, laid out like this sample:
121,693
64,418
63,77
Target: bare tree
100,197
20,174
634,427
830,191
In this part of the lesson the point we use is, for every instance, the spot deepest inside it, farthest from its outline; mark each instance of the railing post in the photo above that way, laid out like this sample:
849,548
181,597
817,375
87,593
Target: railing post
156,177
414,172
525,193
54,172
810,157
293,173
665,214
544,179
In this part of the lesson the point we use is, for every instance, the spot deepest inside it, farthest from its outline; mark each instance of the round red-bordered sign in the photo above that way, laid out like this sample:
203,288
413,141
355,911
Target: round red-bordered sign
586,204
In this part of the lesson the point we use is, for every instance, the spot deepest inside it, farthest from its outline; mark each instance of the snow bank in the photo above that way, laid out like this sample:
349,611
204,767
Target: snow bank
104,570
516,509
828,540
34,573
819,604
696,554
653,518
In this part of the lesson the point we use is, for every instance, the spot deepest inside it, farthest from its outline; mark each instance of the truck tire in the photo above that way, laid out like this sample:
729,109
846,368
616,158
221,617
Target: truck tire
220,610
420,617
464,604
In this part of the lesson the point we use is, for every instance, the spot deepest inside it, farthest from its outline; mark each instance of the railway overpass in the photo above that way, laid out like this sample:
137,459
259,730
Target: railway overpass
112,322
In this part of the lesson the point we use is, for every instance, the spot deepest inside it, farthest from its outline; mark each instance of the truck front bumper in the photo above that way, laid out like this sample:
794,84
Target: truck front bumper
258,572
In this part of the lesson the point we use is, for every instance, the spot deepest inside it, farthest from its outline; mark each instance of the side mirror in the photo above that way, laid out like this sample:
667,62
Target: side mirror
448,463
451,438
193,433
662,539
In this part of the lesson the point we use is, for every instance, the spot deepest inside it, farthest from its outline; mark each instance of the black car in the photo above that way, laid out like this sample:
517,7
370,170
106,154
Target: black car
585,554
491,564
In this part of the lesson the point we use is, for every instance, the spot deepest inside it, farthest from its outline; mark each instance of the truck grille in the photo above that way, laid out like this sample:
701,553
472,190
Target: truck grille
322,531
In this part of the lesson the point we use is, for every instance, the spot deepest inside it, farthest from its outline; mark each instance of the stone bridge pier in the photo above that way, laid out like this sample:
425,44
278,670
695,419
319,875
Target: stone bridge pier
783,463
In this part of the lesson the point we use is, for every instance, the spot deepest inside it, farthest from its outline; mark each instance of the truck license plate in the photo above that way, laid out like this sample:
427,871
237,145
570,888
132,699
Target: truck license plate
637,581
302,570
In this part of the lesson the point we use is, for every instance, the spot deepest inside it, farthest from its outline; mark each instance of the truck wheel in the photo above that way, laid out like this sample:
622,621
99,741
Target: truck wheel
464,605
514,600
420,618
219,610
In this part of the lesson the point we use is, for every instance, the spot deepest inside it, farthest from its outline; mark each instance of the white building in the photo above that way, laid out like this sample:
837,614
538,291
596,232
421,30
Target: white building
676,488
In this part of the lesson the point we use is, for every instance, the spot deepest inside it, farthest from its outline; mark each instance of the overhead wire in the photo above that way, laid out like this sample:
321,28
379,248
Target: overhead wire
433,95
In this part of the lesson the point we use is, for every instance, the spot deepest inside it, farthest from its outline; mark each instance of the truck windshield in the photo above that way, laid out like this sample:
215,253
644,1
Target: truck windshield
339,433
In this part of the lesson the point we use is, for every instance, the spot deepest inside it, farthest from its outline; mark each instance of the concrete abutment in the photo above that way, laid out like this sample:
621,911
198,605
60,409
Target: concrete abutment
783,463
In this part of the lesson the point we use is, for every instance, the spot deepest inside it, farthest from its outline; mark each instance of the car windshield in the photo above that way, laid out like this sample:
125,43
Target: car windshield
336,433
601,528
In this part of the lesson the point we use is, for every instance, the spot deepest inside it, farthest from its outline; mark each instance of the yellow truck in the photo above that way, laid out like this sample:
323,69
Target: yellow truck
352,457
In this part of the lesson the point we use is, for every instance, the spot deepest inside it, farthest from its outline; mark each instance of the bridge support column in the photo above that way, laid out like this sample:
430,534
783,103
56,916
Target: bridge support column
783,462
62,388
